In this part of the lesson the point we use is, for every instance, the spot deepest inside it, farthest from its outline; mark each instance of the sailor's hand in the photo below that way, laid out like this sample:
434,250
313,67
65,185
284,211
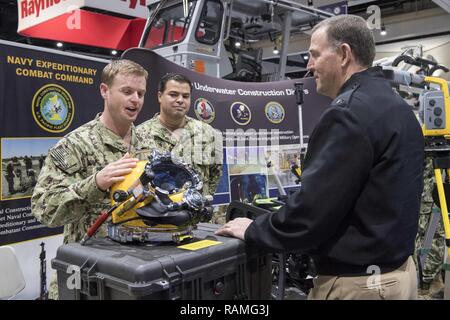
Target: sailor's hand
115,172
235,228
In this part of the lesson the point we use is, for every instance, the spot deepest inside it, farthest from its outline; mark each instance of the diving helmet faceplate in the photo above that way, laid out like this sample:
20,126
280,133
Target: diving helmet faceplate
160,200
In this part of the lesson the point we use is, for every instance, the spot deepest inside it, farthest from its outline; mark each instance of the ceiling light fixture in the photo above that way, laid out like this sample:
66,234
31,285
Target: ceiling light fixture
383,31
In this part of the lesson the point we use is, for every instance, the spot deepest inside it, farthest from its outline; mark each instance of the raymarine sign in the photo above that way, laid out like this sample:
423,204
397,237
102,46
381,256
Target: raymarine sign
33,12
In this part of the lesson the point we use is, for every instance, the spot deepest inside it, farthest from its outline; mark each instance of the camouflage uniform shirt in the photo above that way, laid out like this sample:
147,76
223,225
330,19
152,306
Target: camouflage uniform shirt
197,144
66,193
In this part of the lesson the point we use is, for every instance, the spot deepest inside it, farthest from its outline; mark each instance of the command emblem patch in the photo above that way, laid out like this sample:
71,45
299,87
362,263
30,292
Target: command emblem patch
53,108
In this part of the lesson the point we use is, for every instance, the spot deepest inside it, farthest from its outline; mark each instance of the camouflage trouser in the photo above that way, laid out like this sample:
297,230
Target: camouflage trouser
435,258
219,214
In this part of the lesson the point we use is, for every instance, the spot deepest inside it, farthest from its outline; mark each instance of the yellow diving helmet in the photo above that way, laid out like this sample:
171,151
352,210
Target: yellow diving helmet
159,200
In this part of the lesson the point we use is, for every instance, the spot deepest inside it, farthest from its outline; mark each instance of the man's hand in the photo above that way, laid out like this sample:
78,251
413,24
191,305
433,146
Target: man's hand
234,228
115,171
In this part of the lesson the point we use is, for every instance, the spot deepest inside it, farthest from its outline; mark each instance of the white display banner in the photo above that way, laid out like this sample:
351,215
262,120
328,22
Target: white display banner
33,12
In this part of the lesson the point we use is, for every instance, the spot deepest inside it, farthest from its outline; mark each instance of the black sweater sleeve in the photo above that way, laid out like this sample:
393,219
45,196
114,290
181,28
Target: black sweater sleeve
337,164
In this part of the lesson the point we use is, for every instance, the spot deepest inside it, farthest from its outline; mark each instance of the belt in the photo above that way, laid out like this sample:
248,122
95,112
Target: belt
331,268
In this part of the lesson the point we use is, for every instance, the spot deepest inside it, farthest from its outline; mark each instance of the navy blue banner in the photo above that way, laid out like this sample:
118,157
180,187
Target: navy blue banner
43,96
259,122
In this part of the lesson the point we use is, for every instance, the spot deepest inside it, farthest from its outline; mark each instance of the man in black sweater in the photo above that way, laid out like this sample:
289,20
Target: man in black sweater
357,209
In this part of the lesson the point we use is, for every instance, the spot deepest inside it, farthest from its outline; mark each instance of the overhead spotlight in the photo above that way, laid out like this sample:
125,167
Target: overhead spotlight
59,44
275,50
383,31
237,44
305,57
113,52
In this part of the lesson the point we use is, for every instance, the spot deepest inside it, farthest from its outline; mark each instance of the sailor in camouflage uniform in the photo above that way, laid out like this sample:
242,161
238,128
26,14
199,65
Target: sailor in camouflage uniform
72,188
194,141
435,258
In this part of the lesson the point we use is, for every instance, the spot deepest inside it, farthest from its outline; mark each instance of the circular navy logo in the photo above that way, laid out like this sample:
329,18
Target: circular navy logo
53,108
240,113
204,110
274,112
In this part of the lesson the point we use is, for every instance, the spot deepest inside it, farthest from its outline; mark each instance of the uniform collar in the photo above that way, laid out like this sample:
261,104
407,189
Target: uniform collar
355,80
112,139
167,134
156,119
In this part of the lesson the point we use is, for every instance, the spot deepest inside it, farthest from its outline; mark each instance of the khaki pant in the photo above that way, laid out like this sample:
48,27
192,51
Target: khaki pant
400,284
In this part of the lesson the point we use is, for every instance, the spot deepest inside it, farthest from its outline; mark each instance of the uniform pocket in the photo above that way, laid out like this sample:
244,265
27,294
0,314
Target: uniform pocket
387,288
323,288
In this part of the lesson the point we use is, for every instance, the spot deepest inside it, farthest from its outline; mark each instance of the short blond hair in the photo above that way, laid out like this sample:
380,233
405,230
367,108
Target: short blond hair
123,66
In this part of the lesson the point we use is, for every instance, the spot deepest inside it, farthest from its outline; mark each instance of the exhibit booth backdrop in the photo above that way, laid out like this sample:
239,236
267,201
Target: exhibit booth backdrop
45,94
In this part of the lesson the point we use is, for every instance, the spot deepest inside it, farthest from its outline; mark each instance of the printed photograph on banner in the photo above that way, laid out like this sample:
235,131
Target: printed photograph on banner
248,187
21,162
246,160
224,182
288,159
